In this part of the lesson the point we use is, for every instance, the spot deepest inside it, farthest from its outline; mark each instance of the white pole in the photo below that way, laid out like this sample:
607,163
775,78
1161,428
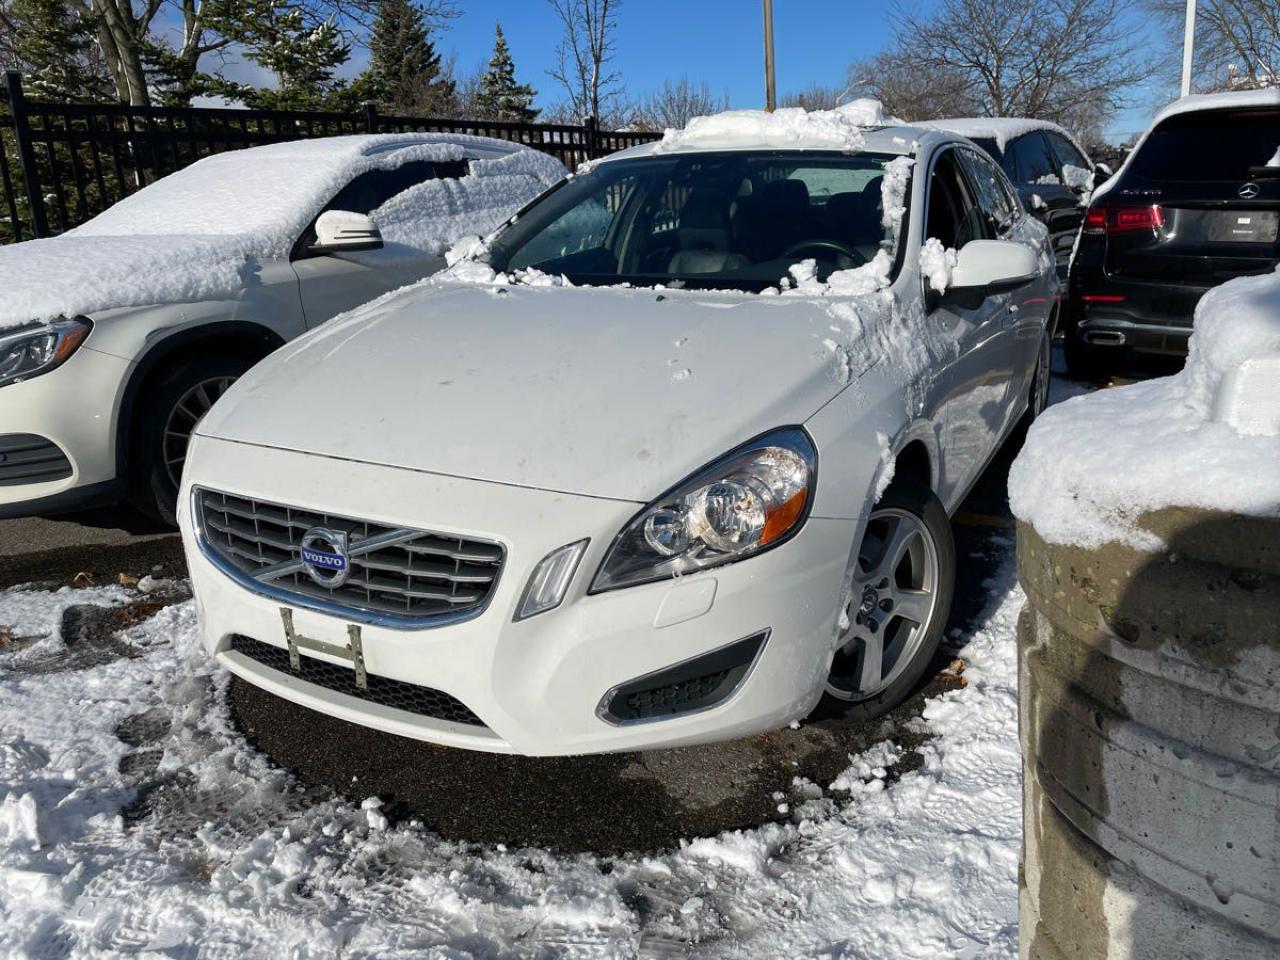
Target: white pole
1188,44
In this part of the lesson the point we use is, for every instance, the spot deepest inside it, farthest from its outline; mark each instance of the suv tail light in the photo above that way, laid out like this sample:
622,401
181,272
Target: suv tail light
1104,220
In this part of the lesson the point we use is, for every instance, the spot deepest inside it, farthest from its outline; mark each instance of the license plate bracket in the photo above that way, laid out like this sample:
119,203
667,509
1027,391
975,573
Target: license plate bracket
353,651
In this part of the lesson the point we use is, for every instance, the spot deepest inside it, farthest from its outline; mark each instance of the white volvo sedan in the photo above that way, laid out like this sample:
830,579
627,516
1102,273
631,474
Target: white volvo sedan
668,459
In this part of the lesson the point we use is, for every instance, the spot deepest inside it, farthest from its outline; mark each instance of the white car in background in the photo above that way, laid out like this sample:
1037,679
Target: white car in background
669,460
116,337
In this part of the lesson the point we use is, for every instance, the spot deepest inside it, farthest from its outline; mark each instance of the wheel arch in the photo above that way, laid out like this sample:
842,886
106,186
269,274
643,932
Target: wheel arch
253,340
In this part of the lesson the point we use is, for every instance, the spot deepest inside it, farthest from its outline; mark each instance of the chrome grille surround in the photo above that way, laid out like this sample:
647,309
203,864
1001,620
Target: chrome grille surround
401,577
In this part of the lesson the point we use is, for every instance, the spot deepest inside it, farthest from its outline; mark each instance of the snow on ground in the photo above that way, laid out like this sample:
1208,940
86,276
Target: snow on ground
134,820
199,233
1093,465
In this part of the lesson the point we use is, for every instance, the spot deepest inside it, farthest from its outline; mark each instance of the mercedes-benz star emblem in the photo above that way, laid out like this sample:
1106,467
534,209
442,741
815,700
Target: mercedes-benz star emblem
324,556
1249,190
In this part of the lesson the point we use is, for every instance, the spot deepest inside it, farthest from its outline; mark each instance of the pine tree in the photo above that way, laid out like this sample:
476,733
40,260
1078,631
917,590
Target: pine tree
500,97
301,53
405,72
53,45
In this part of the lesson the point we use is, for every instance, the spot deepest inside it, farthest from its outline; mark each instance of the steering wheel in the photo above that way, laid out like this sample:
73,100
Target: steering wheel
845,256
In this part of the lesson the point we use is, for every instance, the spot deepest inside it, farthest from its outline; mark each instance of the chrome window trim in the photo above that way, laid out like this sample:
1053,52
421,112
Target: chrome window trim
345,612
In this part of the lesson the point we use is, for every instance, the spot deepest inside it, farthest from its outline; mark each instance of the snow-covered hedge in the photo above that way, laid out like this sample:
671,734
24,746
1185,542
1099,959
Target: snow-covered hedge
1206,437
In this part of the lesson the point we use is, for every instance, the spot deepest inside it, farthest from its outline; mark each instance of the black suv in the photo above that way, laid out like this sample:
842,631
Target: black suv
1051,173
1195,205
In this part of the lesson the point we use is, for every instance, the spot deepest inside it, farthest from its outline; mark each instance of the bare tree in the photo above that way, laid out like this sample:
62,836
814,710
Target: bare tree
584,55
675,103
1031,58
815,97
910,93
1237,41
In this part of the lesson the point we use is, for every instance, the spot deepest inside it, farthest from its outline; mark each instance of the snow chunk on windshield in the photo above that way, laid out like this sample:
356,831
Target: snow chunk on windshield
841,128
1093,465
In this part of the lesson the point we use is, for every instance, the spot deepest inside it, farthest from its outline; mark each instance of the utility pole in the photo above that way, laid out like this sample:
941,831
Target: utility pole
1188,44
770,93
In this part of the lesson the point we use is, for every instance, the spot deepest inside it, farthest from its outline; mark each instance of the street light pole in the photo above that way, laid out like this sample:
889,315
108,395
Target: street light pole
770,95
1188,44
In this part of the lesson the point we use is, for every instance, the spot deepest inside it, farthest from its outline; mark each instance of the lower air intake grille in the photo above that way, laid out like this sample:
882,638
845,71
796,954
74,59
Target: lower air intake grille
696,684
26,458
410,697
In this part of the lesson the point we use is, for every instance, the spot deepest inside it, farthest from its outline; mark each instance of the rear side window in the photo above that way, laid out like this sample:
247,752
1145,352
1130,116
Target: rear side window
1210,145
993,193
1035,165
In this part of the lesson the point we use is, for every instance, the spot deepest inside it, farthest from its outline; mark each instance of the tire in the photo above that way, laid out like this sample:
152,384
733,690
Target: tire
1088,362
165,414
927,565
1038,396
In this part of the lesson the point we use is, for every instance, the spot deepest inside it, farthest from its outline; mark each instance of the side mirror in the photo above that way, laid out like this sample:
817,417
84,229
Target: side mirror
993,266
1102,172
338,231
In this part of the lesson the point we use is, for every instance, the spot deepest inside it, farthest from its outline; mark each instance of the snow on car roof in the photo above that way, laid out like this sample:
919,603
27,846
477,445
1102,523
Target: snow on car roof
196,234
273,191
858,126
999,129
1092,466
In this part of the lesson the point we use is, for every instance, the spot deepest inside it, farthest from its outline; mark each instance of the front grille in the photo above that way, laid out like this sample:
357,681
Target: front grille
423,701
27,458
418,577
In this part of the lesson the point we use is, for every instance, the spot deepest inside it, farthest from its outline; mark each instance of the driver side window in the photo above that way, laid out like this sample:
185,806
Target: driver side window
373,188
953,217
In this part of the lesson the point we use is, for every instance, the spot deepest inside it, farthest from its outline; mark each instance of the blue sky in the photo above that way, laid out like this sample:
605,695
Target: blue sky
717,41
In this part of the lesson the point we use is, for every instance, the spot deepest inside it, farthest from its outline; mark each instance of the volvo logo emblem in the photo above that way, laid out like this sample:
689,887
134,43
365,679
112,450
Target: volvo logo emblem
325,557
1249,190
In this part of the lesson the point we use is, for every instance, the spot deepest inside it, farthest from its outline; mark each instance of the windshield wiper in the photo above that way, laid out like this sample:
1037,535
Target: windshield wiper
1264,173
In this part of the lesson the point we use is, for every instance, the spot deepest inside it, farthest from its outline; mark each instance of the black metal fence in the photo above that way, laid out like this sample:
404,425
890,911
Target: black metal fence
63,163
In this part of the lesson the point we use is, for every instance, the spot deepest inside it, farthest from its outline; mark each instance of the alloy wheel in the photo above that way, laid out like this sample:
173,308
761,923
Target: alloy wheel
182,420
892,601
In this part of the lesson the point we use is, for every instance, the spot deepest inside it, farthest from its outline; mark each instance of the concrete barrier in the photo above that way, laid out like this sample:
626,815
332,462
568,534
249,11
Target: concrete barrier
1150,725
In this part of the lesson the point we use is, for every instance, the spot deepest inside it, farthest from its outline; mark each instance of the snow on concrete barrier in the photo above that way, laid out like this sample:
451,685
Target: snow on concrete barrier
1150,722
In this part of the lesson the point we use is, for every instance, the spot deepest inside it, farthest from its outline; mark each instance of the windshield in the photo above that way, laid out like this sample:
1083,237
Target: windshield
1210,145
719,220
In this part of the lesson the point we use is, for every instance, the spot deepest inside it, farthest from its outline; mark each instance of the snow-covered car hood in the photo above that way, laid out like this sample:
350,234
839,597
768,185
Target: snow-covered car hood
611,393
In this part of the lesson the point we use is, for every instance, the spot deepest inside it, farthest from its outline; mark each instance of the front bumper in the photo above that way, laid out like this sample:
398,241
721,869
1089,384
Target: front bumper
74,409
538,684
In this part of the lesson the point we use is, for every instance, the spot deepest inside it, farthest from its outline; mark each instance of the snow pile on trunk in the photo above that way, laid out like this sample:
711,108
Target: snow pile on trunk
1093,465
192,843
199,233
795,127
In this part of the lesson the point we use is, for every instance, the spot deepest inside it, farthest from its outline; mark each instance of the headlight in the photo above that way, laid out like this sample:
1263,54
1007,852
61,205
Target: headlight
746,502
30,351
